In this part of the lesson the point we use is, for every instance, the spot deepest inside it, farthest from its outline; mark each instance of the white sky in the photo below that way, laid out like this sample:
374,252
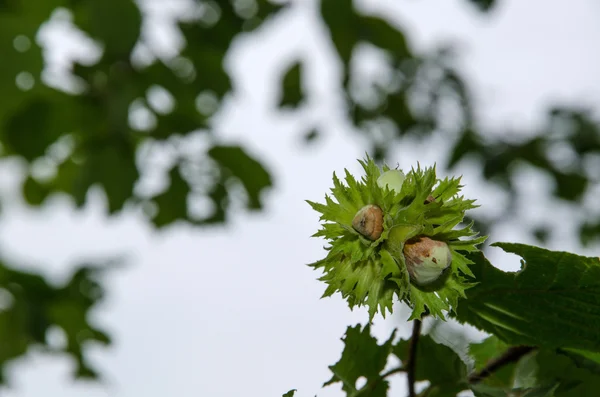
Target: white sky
233,310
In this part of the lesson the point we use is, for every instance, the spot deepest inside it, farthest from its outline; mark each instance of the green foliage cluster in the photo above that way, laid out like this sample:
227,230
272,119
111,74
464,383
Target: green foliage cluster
374,273
544,341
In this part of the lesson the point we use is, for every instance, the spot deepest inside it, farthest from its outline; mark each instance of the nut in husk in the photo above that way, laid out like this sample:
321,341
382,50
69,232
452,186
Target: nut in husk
368,221
426,260
392,179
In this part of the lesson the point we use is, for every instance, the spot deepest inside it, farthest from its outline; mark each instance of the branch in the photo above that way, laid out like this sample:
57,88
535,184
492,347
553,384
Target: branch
511,355
412,356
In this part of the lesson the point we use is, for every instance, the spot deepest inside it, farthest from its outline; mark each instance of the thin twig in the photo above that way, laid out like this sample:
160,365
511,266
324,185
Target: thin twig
511,355
373,384
393,371
412,357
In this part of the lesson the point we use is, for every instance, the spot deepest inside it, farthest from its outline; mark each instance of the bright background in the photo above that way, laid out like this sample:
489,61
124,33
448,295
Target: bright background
233,310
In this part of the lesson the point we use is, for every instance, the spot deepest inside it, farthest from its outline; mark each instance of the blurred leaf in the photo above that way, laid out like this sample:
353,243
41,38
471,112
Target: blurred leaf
110,163
554,301
34,306
435,363
292,92
290,393
218,195
116,23
172,203
341,19
468,143
487,350
483,390
311,136
362,356
385,36
542,234
35,126
574,379
587,354
569,186
484,5
589,231
235,162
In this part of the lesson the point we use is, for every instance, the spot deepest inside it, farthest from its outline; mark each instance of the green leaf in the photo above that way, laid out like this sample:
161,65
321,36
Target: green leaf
32,128
110,163
487,350
554,301
292,92
290,393
116,23
435,363
362,356
235,162
589,355
38,306
341,20
483,390
172,203
574,379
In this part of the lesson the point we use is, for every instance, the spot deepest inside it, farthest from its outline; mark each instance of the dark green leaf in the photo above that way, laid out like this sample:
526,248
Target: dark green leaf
172,203
292,92
235,162
290,393
382,34
468,143
482,390
34,127
342,21
116,23
569,186
37,306
362,356
34,192
436,363
484,5
110,163
487,350
554,301
573,378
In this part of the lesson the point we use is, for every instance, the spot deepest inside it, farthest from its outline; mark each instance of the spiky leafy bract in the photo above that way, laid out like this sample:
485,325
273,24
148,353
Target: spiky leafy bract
373,273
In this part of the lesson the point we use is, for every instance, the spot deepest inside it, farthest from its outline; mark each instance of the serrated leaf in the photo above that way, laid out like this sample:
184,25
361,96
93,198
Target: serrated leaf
554,301
435,363
362,356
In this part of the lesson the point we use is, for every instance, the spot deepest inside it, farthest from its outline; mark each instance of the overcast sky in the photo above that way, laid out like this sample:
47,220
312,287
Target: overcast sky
233,310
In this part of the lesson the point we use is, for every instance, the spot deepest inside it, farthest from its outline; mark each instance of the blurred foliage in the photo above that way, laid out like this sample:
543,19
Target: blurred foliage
84,137
31,309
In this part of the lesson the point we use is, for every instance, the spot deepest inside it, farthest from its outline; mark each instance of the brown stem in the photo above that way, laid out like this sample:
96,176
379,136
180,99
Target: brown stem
511,355
412,356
